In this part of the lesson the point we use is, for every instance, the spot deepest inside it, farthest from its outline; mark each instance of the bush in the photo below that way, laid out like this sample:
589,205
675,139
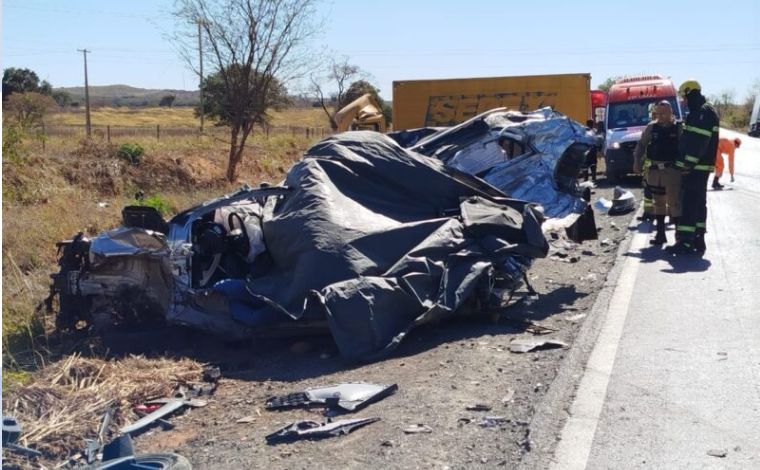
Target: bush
131,152
157,202
12,145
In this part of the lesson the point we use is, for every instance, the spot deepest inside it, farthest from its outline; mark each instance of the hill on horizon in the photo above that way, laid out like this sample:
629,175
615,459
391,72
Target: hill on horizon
125,95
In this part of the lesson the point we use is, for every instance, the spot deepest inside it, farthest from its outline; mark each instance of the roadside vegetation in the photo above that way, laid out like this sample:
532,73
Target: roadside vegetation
82,185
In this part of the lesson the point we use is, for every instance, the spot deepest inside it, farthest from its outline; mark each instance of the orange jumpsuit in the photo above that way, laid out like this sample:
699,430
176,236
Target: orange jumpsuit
725,146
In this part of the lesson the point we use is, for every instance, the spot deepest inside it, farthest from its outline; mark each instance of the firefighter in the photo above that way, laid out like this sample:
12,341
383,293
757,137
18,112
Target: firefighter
659,142
643,168
726,147
697,148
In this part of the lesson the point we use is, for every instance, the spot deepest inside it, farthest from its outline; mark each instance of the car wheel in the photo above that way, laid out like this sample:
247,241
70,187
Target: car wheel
147,461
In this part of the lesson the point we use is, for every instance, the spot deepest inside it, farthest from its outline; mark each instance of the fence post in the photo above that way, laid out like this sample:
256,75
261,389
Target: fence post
44,136
268,132
307,132
108,133
158,131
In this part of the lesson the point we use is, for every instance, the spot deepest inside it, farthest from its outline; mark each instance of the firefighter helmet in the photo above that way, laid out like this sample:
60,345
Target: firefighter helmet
688,86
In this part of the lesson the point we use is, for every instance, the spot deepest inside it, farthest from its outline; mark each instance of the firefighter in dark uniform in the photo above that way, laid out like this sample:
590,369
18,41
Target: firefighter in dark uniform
697,148
659,142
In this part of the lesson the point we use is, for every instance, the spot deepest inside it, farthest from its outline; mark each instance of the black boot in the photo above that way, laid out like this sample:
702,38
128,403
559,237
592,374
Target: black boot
682,247
660,238
716,183
699,244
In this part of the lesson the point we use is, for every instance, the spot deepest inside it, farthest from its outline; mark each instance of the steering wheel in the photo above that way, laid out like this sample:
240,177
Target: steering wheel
242,244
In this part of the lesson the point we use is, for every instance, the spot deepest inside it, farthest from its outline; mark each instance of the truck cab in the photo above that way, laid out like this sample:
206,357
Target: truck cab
630,102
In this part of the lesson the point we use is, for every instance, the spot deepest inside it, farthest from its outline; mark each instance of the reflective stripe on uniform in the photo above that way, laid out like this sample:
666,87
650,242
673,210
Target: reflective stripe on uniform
691,158
686,228
708,168
716,129
697,130
701,225
680,164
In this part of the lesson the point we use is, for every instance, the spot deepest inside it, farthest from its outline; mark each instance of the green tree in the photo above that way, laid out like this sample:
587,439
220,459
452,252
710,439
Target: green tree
217,105
253,47
61,97
607,84
21,81
167,101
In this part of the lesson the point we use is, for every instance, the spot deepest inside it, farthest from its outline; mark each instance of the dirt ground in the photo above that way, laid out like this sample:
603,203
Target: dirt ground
440,370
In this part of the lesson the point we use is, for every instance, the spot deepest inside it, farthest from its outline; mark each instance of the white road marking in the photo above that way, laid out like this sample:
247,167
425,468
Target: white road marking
578,434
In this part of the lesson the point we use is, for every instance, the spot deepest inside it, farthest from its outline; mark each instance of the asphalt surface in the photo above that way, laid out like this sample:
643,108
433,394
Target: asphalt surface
672,378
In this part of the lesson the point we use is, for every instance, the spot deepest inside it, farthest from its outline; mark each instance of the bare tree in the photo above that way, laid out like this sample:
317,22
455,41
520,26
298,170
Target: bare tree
341,74
723,102
254,47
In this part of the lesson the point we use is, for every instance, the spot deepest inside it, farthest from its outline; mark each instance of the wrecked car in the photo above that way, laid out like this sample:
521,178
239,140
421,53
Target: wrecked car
364,237
534,156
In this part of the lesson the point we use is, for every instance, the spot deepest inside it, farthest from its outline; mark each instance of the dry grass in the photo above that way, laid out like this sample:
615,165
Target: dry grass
67,400
178,117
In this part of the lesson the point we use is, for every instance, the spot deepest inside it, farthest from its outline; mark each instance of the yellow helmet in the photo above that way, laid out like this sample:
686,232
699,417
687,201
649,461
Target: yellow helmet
688,86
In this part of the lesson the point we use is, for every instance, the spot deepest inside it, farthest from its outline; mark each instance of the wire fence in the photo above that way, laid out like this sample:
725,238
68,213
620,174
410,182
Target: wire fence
115,132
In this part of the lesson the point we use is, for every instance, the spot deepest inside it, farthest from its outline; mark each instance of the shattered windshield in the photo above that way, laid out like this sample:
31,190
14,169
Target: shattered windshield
636,112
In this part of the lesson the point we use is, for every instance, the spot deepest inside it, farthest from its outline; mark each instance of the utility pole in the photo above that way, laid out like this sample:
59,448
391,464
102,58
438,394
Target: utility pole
86,94
200,57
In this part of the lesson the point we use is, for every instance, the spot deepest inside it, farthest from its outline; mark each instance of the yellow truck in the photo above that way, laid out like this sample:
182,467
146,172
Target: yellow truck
430,103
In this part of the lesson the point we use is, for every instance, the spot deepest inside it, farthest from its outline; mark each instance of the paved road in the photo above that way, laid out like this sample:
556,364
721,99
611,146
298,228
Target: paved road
675,371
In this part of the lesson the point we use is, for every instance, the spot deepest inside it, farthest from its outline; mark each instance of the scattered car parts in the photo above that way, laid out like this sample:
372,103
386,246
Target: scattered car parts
345,396
11,435
168,406
313,430
526,344
623,201
418,429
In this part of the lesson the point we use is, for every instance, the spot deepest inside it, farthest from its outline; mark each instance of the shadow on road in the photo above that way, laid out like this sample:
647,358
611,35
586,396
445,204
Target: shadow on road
301,357
678,264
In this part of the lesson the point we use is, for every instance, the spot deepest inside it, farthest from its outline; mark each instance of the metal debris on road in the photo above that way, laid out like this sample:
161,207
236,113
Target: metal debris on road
524,345
314,430
492,421
418,429
478,407
623,202
345,396
168,406
720,453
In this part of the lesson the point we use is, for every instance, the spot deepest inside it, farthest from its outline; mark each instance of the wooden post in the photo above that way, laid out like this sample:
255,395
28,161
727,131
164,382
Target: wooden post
44,136
108,133
158,131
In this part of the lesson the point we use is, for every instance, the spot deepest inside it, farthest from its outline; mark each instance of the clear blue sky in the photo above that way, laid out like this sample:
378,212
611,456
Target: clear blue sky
715,42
